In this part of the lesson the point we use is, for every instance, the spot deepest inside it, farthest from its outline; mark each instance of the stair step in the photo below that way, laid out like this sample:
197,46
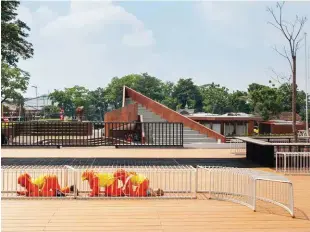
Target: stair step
171,130
154,120
156,130
185,141
198,136
150,116
189,140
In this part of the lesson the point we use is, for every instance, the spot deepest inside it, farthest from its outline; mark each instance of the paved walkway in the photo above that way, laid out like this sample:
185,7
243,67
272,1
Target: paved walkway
116,153
155,215
104,156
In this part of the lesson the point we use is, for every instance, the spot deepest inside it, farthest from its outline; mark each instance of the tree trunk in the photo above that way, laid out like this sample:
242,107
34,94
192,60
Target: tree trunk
294,100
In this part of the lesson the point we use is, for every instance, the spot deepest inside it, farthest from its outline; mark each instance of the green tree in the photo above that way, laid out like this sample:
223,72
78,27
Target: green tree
186,92
114,90
70,98
14,46
169,100
215,99
151,87
265,101
285,94
49,110
238,101
97,104
14,81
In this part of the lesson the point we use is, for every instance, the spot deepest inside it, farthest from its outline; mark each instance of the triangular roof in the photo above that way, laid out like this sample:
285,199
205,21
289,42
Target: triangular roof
169,114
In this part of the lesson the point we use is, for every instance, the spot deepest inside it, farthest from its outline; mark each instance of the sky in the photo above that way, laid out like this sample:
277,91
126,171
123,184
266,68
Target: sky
89,42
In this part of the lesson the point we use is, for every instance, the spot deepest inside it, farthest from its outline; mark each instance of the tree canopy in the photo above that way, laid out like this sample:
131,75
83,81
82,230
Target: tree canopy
14,46
215,99
263,100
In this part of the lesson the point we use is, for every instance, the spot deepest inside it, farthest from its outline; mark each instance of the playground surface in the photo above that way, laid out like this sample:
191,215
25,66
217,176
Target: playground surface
108,152
147,215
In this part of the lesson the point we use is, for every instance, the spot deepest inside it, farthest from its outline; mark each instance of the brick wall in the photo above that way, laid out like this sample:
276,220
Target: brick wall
285,129
127,113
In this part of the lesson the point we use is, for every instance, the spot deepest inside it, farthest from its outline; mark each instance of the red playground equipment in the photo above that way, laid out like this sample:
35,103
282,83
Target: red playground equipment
80,113
120,183
102,180
43,186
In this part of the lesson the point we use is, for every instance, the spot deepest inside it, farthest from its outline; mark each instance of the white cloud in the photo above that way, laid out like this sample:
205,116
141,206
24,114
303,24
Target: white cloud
139,38
45,13
227,23
225,13
213,12
90,44
88,15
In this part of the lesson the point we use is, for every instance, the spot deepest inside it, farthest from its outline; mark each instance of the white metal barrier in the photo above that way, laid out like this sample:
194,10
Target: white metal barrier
293,162
49,180
237,146
245,186
163,181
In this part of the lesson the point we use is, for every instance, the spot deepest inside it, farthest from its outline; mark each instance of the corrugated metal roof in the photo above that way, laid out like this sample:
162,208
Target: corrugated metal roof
227,115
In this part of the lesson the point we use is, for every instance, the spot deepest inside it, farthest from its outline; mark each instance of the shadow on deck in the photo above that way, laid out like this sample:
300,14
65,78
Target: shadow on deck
227,162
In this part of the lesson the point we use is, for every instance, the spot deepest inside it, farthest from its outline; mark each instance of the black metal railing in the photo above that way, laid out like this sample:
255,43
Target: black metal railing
77,134
283,139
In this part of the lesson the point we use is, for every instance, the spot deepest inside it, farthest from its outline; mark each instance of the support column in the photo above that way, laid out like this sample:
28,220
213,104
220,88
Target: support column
250,128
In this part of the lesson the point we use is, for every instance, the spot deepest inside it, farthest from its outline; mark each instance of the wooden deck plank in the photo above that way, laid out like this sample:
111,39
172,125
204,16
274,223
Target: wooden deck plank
115,153
135,215
156,215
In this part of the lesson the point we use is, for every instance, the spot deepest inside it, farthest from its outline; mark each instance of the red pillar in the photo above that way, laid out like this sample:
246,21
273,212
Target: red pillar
250,127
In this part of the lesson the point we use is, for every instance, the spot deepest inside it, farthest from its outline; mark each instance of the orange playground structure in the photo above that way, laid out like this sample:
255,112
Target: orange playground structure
45,186
120,183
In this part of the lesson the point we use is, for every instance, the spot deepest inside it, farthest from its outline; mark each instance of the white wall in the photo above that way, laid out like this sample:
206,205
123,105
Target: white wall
216,127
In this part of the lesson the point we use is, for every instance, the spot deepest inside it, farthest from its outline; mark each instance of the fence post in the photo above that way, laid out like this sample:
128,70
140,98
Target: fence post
74,179
66,177
292,199
284,162
210,191
277,161
196,181
254,195
75,183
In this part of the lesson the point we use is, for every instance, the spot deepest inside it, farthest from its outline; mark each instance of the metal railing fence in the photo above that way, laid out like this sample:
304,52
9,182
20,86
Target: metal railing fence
88,134
293,162
245,186
237,146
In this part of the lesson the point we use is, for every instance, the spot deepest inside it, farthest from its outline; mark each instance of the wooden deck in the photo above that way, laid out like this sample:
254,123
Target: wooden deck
150,215
100,152
155,215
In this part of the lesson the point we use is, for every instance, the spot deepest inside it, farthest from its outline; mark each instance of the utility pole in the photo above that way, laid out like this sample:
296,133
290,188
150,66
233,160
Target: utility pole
20,109
306,77
36,88
307,113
